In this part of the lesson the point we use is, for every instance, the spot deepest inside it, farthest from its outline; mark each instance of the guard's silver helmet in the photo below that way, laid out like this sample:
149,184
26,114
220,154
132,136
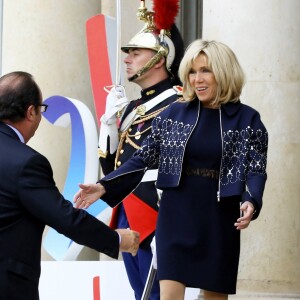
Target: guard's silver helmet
150,37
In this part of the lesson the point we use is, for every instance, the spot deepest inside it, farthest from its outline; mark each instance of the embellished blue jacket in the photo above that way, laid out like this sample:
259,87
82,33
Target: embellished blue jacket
244,153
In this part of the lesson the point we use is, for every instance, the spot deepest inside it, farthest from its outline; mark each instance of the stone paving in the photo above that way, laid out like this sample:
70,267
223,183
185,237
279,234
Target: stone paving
258,296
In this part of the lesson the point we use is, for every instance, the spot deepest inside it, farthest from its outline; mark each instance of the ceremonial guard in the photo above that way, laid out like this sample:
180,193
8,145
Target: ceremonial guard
152,61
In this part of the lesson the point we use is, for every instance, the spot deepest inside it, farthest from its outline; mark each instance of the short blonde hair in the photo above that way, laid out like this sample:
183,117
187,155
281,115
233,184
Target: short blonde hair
222,61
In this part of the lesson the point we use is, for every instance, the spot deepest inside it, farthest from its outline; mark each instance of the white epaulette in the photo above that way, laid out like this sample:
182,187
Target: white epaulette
178,89
145,107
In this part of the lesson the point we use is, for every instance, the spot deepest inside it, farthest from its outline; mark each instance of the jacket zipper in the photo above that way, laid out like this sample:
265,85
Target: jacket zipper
247,189
219,183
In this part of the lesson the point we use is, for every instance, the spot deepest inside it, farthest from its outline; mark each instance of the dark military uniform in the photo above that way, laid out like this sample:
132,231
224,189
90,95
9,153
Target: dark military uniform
138,210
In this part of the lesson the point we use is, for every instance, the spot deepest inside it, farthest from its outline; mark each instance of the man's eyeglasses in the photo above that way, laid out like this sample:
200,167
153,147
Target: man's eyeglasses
43,107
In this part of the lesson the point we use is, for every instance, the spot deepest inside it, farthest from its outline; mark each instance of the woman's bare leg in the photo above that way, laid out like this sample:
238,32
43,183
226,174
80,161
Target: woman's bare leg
214,296
171,290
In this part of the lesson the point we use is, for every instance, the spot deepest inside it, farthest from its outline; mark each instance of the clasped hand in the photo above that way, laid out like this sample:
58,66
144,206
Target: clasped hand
129,241
90,193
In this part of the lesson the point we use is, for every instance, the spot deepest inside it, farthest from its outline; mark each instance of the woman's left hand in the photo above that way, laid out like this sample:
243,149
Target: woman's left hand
247,211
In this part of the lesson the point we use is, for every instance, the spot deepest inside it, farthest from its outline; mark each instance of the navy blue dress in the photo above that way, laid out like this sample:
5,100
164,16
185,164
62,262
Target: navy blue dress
197,242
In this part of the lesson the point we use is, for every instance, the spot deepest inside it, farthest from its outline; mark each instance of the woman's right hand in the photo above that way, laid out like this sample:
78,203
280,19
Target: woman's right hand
88,194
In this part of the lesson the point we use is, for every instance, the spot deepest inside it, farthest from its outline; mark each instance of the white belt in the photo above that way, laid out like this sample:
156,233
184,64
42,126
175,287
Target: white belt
150,175
126,123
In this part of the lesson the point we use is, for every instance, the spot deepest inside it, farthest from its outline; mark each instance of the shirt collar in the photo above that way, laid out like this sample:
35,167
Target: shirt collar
156,89
17,132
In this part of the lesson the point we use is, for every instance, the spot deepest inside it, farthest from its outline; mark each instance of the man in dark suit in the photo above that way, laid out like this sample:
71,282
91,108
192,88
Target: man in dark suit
29,198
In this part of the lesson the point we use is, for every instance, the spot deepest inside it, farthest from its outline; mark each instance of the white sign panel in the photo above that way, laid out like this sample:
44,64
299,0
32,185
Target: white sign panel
88,280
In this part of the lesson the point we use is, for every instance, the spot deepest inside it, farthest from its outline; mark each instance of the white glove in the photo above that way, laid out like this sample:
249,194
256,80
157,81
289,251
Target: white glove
153,249
115,101
159,194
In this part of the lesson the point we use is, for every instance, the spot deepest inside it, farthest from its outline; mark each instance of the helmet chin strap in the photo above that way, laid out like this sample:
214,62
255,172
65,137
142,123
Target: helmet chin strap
154,60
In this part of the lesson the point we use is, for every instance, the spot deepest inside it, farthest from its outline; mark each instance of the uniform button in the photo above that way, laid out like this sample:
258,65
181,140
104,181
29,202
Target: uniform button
150,92
130,129
119,163
121,151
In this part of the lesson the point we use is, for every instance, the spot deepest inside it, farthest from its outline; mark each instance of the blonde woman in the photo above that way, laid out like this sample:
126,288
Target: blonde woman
211,153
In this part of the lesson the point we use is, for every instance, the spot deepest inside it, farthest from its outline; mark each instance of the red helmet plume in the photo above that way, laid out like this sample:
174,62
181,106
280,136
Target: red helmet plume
165,13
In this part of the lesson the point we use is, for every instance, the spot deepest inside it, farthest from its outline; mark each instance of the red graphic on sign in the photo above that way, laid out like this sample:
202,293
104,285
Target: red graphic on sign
98,61
96,288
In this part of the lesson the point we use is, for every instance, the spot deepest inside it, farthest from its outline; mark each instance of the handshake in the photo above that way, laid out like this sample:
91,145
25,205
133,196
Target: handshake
129,240
90,193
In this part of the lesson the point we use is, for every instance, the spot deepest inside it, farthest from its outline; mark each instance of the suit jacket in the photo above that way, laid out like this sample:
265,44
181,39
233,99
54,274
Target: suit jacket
29,200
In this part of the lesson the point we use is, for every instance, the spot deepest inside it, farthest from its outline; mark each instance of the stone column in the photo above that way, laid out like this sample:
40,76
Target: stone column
265,37
47,39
